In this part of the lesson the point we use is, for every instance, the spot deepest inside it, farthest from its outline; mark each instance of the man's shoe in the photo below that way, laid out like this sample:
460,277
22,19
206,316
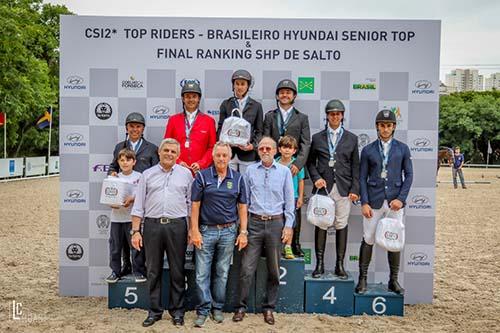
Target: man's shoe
239,315
217,316
112,278
464,187
287,252
125,271
268,317
178,321
139,278
150,320
200,321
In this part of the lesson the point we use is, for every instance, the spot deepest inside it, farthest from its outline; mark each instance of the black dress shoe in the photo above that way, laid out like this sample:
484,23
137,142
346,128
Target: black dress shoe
150,321
239,315
178,321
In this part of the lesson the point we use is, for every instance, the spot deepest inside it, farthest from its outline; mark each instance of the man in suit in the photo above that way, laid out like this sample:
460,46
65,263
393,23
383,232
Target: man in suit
386,174
249,109
287,120
333,165
146,156
194,130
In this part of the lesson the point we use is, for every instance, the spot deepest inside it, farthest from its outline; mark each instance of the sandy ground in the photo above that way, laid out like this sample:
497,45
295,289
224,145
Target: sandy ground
467,288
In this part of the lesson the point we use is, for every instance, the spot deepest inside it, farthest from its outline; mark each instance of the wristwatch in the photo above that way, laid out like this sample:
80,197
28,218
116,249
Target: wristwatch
132,232
244,232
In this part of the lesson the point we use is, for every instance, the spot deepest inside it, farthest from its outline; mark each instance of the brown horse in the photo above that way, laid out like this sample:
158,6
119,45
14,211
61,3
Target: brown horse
444,154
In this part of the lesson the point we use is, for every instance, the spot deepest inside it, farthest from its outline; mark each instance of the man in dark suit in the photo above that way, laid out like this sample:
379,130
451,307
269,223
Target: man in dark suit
146,156
287,120
333,165
386,174
248,108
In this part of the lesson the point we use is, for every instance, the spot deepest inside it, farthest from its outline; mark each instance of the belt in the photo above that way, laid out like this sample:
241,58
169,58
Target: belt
267,217
165,220
220,226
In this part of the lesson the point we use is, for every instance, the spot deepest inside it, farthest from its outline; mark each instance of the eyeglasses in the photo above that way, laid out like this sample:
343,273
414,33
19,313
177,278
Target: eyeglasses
265,148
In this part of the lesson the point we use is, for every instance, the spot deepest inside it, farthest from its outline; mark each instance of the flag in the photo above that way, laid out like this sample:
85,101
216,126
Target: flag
44,121
2,118
490,151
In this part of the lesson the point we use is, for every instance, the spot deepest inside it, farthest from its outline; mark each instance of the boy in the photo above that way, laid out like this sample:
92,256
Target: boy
121,221
288,147
458,163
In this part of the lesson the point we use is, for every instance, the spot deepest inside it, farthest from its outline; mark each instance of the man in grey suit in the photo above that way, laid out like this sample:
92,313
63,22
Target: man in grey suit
287,120
333,165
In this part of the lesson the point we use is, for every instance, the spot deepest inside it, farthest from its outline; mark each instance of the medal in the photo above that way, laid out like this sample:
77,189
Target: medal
383,174
331,163
186,144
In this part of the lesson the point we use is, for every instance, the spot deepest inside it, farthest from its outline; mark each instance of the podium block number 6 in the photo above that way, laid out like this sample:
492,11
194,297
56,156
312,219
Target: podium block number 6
378,305
129,292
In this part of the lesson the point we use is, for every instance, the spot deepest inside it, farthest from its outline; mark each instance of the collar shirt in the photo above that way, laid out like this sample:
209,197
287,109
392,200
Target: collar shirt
285,113
122,214
386,145
334,133
191,116
135,145
270,191
242,102
163,193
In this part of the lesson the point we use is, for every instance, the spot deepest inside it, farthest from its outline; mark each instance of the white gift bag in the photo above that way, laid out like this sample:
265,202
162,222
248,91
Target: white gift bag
321,211
114,191
235,130
390,234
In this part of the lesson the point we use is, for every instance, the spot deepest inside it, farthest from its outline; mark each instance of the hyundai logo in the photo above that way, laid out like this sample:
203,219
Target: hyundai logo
74,137
74,194
420,200
418,256
423,84
186,81
161,109
74,79
421,142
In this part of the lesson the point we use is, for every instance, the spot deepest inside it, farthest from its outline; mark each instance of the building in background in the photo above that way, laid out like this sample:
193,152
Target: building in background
492,82
465,80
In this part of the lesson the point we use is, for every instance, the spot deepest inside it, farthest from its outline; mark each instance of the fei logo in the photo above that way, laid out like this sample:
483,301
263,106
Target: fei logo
306,85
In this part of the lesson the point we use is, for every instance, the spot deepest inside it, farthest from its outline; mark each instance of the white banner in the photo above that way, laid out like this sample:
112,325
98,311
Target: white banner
11,167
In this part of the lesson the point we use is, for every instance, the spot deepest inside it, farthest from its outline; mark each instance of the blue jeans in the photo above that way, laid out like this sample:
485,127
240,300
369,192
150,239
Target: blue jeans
217,247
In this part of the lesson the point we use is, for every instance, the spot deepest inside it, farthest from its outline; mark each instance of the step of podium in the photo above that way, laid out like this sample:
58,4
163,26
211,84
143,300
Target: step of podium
329,294
232,288
291,289
378,301
128,294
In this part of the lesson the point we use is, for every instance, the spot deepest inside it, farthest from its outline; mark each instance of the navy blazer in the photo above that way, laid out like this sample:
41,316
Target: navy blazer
374,189
145,158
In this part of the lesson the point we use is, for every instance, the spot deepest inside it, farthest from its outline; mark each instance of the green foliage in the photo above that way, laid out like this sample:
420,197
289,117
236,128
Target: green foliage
29,70
469,120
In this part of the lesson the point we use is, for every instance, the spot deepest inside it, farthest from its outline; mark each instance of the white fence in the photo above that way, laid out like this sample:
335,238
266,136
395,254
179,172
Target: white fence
28,166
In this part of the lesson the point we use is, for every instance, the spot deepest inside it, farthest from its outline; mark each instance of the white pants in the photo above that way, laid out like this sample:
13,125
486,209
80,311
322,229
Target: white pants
370,225
342,208
238,165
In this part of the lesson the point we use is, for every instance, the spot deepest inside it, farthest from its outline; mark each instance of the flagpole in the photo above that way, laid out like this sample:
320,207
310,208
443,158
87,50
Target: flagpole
488,155
50,136
5,135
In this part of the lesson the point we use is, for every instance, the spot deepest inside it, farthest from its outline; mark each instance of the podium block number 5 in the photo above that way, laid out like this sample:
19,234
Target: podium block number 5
330,295
129,292
378,305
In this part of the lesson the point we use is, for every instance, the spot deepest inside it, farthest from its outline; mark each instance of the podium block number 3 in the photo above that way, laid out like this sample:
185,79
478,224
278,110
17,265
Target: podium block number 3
330,295
378,305
130,295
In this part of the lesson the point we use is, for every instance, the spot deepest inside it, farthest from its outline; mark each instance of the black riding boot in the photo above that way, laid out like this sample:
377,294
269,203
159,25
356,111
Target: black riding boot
319,245
393,285
365,255
296,248
340,246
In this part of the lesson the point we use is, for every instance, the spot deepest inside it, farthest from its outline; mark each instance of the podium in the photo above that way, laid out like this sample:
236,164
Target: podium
291,289
233,282
128,294
329,294
379,301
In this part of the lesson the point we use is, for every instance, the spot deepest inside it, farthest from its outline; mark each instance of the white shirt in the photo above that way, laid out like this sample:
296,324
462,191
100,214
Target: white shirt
134,144
285,113
191,116
334,133
386,145
242,102
122,214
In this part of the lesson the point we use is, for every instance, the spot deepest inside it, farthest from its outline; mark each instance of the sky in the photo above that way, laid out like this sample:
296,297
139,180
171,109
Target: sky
470,29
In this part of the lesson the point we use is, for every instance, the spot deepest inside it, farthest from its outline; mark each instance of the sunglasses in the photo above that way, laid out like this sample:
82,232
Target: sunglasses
265,149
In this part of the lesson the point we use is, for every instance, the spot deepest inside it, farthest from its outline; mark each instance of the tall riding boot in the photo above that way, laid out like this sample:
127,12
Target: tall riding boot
296,248
319,245
340,246
393,285
365,255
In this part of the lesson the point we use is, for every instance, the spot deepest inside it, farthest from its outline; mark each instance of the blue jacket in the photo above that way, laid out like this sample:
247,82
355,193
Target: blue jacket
374,189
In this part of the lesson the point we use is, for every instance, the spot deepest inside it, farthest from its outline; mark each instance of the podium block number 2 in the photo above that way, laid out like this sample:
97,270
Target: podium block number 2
330,295
283,272
130,295
378,305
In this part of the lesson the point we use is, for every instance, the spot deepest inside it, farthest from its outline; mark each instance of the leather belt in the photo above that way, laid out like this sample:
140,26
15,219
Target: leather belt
220,226
267,217
165,220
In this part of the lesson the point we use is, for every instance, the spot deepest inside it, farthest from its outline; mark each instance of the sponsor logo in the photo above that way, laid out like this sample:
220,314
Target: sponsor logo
390,235
306,85
74,251
75,140
213,112
160,112
100,168
229,185
421,145
103,111
74,82
187,81
318,211
418,259
353,258
420,202
102,222
74,196
363,140
132,84
234,133
369,84
111,191
397,111
423,87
